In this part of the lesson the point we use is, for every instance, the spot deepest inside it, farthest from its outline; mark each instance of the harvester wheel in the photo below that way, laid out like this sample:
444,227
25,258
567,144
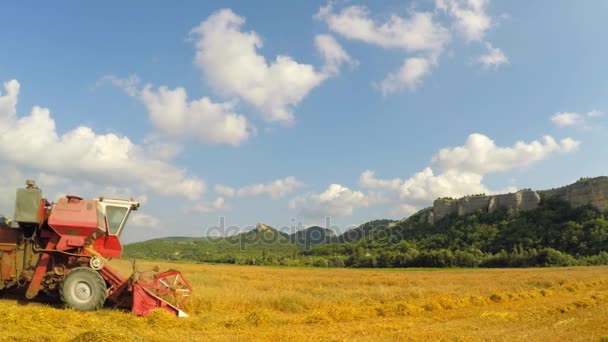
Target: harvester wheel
83,289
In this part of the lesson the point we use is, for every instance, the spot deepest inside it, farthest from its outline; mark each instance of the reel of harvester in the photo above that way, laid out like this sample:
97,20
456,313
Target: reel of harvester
167,290
173,287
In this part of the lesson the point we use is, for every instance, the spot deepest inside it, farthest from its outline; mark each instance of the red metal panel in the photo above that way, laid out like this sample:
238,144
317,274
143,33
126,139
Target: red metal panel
9,235
74,216
69,242
112,247
108,246
42,210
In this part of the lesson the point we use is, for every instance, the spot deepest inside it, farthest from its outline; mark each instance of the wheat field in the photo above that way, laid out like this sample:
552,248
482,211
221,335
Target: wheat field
249,303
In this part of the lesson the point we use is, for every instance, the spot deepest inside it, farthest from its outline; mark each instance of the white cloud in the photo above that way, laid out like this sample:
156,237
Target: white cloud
333,54
139,219
368,180
210,122
51,180
122,193
8,101
275,189
129,85
472,23
569,145
174,116
336,200
408,76
493,58
232,66
471,20
162,150
209,206
419,33
224,190
404,210
564,119
33,142
462,169
480,154
425,186
12,178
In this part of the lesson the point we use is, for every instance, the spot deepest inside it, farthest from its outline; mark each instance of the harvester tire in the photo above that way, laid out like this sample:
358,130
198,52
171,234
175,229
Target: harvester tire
83,289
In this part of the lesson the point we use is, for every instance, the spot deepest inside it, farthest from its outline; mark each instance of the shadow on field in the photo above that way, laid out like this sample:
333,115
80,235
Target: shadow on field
50,300
42,298
18,296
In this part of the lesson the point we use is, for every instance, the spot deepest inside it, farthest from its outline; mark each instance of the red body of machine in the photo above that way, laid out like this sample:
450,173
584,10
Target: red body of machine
64,248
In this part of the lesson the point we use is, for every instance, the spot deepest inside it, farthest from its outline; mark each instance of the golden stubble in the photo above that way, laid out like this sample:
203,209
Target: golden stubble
248,303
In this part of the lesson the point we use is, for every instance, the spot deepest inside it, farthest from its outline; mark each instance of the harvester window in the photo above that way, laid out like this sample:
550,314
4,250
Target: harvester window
115,216
101,220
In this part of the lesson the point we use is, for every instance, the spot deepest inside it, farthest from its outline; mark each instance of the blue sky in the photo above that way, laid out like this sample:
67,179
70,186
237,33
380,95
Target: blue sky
282,112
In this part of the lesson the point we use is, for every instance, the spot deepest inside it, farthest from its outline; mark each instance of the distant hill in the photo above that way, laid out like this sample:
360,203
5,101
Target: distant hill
365,230
184,239
261,235
313,236
262,243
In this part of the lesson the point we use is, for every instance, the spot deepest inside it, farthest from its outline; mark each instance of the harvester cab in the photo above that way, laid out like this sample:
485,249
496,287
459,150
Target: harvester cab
116,212
65,248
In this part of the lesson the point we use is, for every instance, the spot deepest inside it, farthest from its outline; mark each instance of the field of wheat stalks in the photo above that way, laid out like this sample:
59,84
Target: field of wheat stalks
247,303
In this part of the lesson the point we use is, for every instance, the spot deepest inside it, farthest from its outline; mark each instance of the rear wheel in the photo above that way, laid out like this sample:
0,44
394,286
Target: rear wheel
83,289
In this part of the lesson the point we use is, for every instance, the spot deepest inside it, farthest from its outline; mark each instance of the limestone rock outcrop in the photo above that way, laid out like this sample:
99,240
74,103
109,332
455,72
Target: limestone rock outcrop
443,207
471,204
592,191
521,200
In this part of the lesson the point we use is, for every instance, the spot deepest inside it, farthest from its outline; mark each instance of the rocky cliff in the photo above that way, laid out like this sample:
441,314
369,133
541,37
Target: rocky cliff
592,191
521,200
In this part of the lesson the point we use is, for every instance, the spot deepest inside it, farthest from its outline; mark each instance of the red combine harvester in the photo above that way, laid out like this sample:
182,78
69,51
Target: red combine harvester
63,248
